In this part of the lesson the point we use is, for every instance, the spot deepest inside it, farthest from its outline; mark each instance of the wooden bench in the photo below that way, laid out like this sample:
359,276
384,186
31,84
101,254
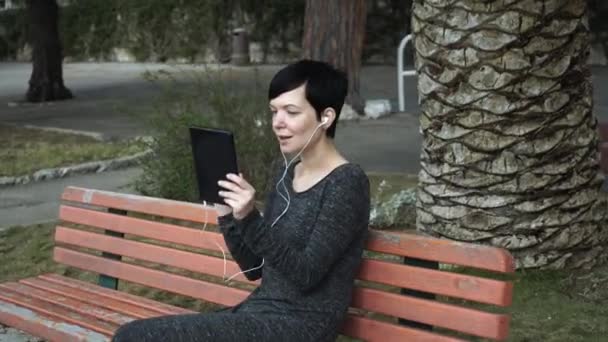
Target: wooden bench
60,308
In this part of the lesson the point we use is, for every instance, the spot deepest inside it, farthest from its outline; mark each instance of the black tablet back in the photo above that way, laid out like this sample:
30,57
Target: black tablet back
214,156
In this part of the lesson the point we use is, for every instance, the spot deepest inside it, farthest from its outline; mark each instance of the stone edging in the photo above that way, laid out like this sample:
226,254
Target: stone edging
89,167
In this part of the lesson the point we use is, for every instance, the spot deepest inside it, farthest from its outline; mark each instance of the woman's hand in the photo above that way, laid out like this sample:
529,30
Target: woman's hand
239,195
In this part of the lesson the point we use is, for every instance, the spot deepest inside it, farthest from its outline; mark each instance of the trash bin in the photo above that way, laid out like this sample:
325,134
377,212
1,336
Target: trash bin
240,47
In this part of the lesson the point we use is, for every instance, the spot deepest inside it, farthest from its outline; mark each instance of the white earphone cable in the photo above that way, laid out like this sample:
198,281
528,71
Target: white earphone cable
287,198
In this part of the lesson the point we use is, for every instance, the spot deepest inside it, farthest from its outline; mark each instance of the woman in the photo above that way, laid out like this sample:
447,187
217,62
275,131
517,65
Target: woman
308,244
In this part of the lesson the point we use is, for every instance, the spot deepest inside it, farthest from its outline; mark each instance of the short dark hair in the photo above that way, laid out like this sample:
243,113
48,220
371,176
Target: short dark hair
325,86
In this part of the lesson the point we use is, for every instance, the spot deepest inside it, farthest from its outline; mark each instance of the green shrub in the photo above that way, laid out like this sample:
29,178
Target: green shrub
206,98
13,33
89,29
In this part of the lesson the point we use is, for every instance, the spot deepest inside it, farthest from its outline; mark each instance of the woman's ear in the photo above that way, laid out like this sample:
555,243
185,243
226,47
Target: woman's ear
328,117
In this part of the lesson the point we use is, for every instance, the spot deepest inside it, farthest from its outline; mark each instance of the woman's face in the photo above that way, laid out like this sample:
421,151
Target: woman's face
294,120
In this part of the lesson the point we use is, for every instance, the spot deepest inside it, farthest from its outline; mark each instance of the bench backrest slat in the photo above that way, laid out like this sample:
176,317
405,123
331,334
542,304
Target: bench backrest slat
141,204
446,251
164,232
172,257
432,312
183,246
439,282
153,278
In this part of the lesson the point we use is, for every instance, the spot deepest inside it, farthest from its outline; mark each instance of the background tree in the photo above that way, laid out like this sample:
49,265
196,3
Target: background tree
46,81
334,32
509,154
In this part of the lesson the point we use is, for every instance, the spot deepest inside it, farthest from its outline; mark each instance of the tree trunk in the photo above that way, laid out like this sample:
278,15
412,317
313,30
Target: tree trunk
334,33
509,154
46,81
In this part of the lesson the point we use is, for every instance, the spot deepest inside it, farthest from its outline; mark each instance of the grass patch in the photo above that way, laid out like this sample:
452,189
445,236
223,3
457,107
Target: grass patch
26,150
547,306
27,251
560,306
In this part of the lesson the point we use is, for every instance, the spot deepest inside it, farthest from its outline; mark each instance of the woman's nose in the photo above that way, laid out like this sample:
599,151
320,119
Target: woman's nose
278,120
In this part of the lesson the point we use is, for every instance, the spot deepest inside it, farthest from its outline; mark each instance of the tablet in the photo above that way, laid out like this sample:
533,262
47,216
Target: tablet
214,157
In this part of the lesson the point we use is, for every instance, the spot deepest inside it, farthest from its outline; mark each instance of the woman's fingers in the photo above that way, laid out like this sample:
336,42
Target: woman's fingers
232,195
230,186
238,194
232,203
239,180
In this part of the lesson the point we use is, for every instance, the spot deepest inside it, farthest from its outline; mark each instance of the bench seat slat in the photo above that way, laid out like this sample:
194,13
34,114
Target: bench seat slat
372,330
145,276
441,250
83,308
90,298
474,322
455,285
50,328
142,204
165,232
143,251
161,308
58,312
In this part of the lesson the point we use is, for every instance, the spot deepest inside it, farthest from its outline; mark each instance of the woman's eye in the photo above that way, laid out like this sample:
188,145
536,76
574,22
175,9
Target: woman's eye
291,112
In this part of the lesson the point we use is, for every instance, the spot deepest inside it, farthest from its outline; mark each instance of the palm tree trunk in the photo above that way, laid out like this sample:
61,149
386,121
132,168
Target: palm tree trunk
509,154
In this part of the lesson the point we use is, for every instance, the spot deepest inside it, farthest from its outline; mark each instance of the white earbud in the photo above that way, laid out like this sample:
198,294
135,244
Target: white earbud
325,120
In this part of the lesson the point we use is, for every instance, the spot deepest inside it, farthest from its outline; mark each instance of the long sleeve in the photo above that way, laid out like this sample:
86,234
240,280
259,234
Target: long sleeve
344,213
241,253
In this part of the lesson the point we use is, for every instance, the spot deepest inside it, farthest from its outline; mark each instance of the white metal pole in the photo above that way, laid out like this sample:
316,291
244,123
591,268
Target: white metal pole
401,72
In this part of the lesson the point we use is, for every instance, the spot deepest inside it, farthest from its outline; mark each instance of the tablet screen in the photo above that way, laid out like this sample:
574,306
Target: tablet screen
214,157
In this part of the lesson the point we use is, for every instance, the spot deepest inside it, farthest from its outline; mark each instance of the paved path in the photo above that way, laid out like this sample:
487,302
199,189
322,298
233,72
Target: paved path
39,202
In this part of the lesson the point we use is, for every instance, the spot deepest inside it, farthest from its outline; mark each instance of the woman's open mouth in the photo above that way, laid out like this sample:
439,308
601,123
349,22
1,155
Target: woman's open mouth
284,138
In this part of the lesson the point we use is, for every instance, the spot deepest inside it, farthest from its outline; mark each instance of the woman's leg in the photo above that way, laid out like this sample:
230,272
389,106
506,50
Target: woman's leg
218,327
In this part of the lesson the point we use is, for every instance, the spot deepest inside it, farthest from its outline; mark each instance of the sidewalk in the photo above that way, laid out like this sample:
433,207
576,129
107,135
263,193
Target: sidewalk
39,202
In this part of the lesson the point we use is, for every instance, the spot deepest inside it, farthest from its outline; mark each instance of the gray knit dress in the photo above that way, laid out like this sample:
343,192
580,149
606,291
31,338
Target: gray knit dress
311,257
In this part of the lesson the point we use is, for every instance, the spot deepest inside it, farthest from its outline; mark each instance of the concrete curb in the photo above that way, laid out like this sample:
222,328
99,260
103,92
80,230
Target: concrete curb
89,167
93,135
